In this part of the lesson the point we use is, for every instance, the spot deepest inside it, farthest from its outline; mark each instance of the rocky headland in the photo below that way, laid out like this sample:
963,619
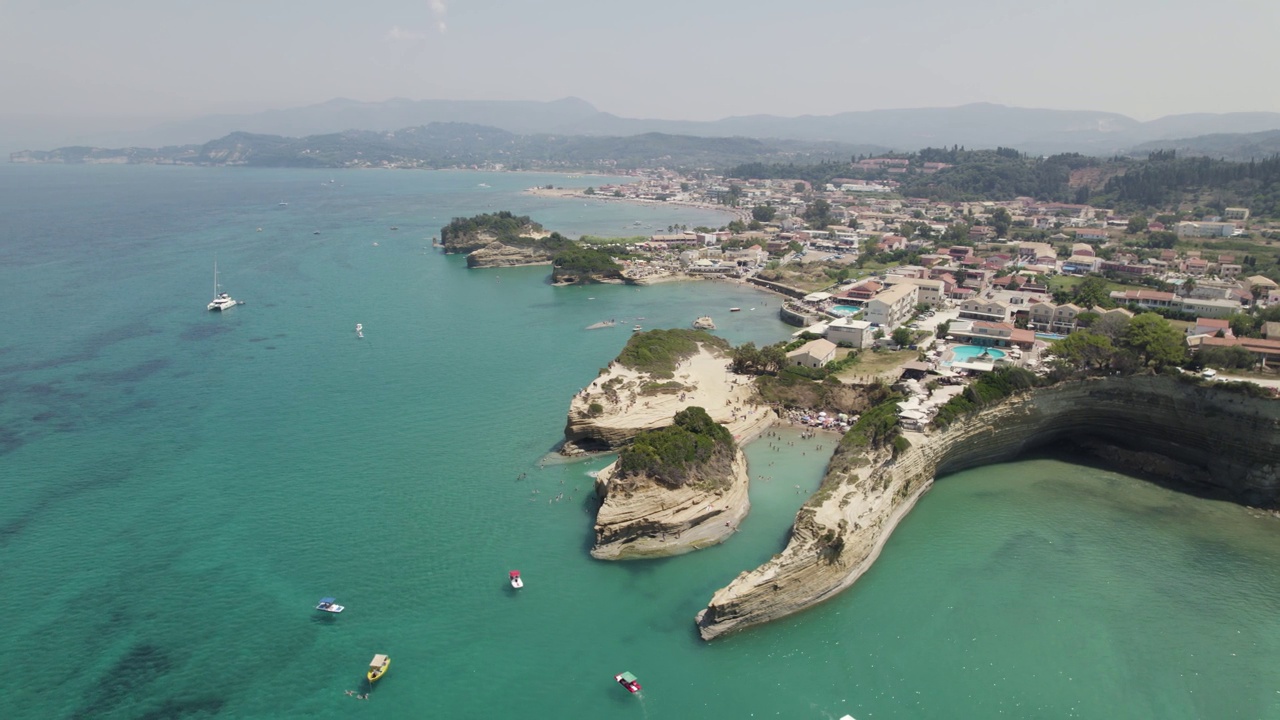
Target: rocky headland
1209,440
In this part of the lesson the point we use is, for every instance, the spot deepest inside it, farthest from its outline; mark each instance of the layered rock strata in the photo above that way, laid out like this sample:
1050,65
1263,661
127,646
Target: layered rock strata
1207,440
641,518
496,254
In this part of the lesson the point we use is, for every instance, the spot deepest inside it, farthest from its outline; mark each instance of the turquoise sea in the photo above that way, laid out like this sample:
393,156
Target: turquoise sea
179,487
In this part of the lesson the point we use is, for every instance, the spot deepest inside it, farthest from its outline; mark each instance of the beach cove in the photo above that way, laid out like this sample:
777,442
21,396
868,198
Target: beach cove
181,487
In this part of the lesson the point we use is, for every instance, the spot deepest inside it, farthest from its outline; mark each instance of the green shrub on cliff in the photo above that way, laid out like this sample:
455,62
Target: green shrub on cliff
694,449
986,390
875,428
580,261
658,352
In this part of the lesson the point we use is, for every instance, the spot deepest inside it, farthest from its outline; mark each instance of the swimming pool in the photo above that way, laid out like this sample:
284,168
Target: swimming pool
1049,336
965,353
845,310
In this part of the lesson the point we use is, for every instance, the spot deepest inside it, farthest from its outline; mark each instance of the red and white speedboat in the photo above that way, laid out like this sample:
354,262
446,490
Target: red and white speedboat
628,681
516,582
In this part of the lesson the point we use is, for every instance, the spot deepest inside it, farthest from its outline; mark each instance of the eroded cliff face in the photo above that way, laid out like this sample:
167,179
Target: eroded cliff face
467,242
496,254
641,518
1213,441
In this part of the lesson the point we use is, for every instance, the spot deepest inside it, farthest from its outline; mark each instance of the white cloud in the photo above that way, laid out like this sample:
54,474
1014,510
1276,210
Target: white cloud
438,10
397,34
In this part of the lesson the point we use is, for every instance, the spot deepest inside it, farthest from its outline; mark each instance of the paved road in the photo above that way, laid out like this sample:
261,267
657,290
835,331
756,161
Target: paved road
1274,384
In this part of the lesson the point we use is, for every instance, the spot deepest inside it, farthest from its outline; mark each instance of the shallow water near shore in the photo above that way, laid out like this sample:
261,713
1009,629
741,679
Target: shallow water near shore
179,488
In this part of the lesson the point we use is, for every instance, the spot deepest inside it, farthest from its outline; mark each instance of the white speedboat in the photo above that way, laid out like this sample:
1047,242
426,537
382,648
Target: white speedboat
330,605
359,330
516,582
221,301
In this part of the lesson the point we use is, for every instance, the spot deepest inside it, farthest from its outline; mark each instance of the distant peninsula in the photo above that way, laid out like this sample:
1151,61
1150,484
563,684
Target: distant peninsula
503,239
451,145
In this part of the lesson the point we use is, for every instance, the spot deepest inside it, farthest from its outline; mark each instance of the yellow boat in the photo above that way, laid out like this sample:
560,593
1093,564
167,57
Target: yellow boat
378,667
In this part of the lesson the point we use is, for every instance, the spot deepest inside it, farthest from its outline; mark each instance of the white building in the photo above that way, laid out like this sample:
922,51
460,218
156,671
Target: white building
856,333
813,354
893,306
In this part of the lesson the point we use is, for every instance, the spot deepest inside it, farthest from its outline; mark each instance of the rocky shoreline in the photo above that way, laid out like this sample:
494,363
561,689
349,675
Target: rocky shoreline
1209,441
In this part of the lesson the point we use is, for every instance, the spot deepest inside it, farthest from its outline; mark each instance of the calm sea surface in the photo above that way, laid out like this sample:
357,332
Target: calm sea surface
178,488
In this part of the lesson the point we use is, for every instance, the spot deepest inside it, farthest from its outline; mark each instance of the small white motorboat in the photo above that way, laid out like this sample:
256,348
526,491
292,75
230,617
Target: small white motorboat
359,330
516,582
330,605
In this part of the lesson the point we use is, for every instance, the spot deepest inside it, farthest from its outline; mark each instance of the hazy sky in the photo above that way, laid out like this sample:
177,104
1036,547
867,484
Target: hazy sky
672,59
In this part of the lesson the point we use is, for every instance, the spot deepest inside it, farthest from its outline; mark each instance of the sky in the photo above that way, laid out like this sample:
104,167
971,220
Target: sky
669,59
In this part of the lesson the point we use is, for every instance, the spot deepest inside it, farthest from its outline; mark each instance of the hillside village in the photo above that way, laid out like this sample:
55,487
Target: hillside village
965,286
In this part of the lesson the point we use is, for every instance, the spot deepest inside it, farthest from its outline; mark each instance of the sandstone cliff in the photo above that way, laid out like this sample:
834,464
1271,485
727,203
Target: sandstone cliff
1212,441
496,254
641,518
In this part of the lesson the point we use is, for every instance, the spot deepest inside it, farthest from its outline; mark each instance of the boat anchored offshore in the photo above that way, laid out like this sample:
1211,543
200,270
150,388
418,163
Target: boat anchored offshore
378,667
735,309
628,681
359,330
637,328
516,582
330,605
221,300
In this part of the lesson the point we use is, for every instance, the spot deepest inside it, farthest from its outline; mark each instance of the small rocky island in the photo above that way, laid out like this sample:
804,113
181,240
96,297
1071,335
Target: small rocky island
676,489
671,405
502,239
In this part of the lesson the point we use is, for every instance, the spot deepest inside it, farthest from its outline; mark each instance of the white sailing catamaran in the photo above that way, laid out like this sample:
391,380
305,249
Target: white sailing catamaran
221,300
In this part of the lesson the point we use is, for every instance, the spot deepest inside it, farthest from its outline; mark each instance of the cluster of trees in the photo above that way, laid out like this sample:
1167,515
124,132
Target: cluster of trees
694,448
1090,292
1000,174
747,359
504,225
1165,181
816,174
581,261
1114,343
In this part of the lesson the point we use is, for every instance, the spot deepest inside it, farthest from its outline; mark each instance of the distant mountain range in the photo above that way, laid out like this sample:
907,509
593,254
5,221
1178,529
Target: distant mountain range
979,125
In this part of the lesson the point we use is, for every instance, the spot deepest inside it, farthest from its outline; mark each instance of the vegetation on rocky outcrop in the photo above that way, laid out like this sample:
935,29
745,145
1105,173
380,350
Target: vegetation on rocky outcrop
575,263
658,352
695,449
987,390
473,233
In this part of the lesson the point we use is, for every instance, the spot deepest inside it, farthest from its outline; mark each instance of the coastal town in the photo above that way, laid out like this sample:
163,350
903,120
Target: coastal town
964,332
959,288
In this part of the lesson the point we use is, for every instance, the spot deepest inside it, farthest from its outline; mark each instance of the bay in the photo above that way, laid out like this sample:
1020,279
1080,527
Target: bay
179,487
